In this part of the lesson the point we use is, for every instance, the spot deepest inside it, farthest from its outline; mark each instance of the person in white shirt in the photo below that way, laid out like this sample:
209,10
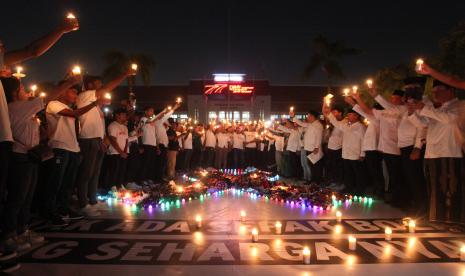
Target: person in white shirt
278,138
352,153
290,157
210,146
250,146
443,153
118,150
187,148
23,171
238,139
222,147
312,144
333,158
388,143
373,158
92,132
61,120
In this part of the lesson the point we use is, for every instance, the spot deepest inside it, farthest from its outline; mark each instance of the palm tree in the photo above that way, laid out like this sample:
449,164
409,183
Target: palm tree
326,56
118,62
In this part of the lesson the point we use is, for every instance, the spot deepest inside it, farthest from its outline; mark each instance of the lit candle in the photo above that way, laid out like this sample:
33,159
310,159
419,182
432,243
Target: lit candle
19,72
134,66
388,233
33,89
346,92
291,109
338,216
71,17
369,83
306,255
76,70
411,226
169,107
278,226
354,89
462,253
179,100
198,220
107,96
419,65
352,243
328,98
254,235
243,216
42,95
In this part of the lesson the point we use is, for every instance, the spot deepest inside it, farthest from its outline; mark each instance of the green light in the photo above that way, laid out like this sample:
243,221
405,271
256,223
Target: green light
355,197
178,202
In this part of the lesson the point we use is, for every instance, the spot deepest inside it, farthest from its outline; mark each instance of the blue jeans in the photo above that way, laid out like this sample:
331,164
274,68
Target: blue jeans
306,167
61,181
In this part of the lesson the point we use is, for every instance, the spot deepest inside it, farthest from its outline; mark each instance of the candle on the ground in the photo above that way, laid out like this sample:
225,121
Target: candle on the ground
278,226
306,255
462,253
243,214
388,233
352,243
198,220
411,226
338,216
254,235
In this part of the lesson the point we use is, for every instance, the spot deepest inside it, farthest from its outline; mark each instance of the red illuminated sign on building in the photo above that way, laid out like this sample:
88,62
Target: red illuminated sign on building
219,88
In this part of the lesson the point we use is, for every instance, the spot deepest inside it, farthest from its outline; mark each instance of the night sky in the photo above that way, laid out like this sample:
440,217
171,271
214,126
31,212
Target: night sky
269,39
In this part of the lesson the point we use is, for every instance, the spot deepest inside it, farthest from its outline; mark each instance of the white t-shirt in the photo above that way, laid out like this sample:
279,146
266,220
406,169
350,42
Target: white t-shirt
93,121
61,129
148,133
120,132
24,124
250,136
238,141
210,137
188,141
5,128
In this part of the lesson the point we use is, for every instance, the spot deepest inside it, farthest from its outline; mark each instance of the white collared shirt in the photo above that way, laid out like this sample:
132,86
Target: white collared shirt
93,121
5,128
223,139
443,138
278,142
352,138
188,141
120,132
148,132
61,129
210,139
293,141
313,134
335,139
250,136
160,130
238,141
371,137
24,124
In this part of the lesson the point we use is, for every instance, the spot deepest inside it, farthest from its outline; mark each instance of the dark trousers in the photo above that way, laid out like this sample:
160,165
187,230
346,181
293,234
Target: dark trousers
134,163
22,181
354,176
209,157
197,156
148,160
373,161
5,152
116,171
396,178
446,183
187,159
61,181
334,165
89,170
161,164
238,158
250,157
413,171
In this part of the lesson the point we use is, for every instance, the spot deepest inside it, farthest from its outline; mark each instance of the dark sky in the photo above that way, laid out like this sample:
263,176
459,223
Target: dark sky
269,39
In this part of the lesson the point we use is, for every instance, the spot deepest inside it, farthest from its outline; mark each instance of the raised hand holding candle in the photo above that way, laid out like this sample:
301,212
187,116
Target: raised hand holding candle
346,92
72,18
76,70
107,96
179,100
419,64
306,255
354,89
33,89
19,72
42,95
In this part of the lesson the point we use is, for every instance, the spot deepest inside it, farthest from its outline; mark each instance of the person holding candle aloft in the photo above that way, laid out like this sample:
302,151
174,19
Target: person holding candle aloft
443,153
333,159
91,135
352,154
290,157
238,140
250,145
23,171
209,144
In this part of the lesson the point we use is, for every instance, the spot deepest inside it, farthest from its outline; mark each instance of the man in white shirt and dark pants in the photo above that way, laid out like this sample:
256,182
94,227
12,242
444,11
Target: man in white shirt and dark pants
443,155
92,132
333,159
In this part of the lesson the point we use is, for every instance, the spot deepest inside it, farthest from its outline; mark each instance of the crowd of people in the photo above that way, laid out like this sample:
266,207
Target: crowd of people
406,150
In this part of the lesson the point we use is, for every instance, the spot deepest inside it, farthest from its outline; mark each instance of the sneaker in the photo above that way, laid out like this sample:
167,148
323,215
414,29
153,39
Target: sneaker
73,215
58,221
90,211
7,255
133,186
9,267
32,237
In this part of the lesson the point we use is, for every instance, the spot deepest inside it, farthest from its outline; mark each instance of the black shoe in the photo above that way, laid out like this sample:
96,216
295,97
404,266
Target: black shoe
58,221
73,215
7,255
9,267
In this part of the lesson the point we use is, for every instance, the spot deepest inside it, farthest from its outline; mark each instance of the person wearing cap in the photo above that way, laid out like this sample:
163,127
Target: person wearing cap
311,144
352,153
443,154
373,158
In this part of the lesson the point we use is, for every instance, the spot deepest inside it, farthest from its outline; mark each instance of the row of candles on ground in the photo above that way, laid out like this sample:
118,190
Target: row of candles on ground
352,241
